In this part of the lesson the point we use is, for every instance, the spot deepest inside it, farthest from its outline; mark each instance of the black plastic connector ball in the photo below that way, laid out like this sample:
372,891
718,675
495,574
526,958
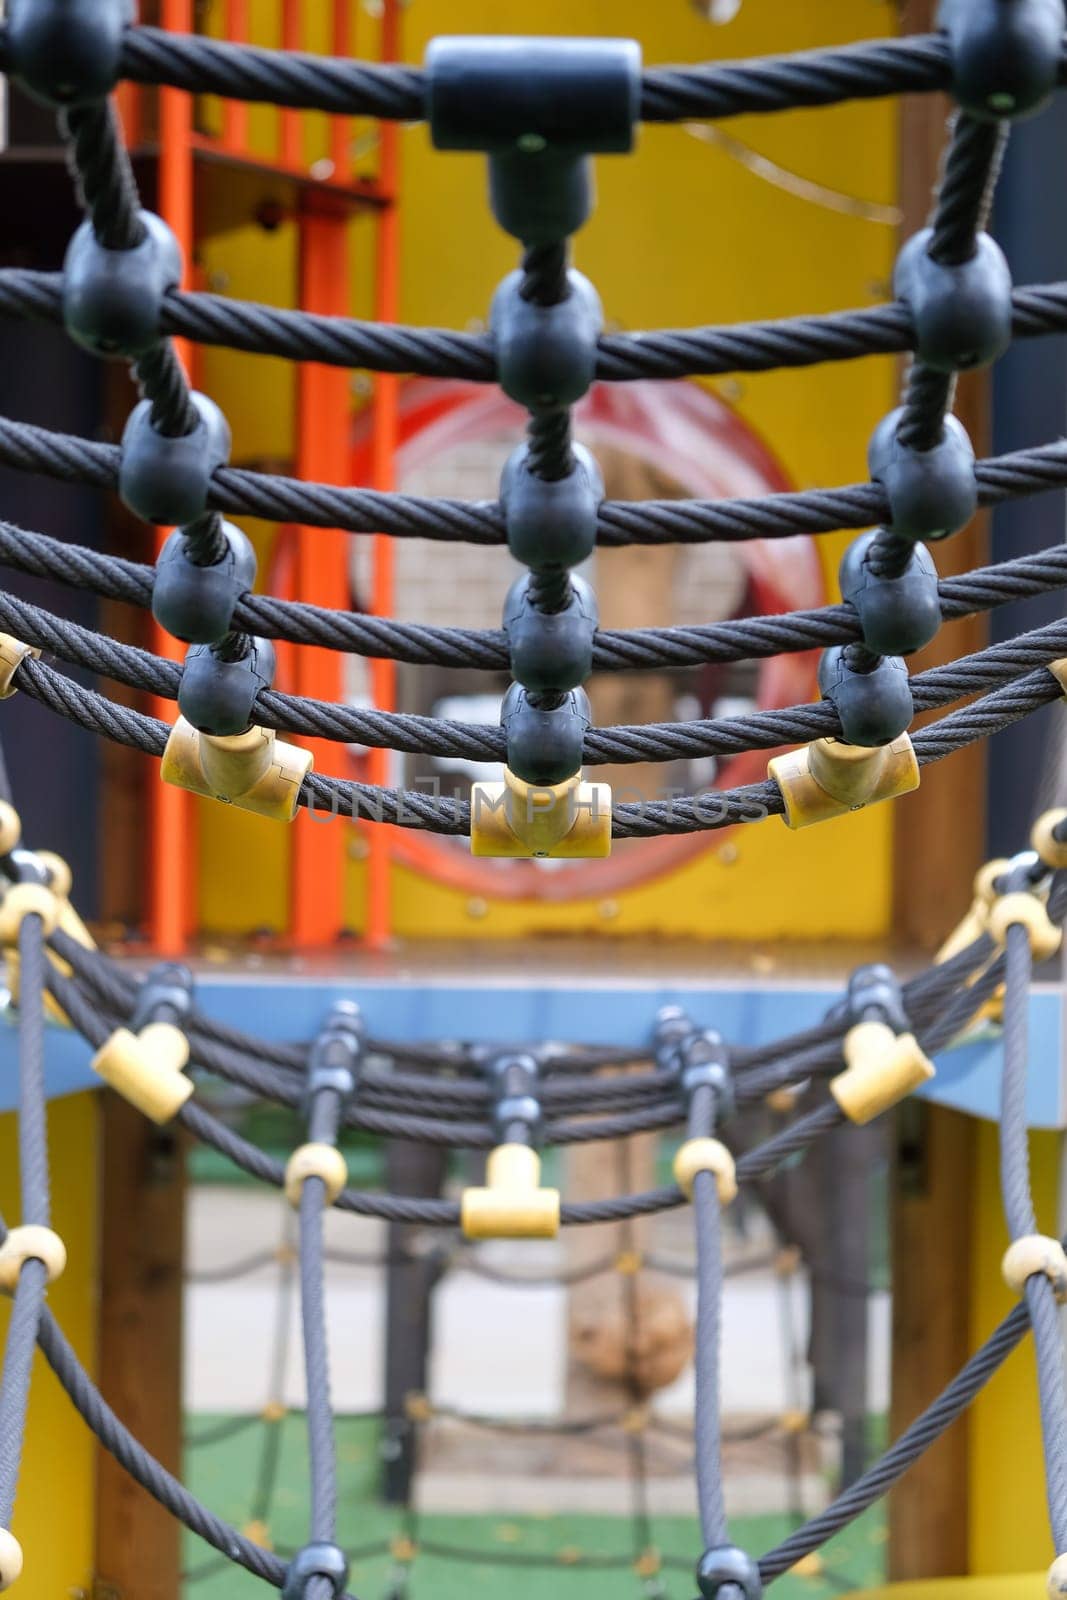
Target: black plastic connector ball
336,1054
546,355
551,522
726,1564
112,298
875,707
544,747
498,92
874,995
703,1063
196,604
672,1030
931,493
66,52
166,480
166,995
962,312
218,696
315,1561
1005,53
513,1089
897,614
550,650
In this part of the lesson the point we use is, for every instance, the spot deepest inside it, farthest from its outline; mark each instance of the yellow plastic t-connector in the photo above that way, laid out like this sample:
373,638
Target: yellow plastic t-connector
516,818
512,1205
254,770
1052,851
12,654
882,1067
147,1068
10,1558
829,778
1056,1581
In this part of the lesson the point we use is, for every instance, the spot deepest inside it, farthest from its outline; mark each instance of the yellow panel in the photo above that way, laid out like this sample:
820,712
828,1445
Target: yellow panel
1030,1586
1009,1521
683,234
55,1506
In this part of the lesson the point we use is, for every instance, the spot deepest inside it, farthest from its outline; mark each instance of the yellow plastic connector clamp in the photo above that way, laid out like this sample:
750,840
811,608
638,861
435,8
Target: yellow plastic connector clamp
521,819
323,1161
1057,1578
10,828
31,1243
976,922
1025,909
706,1155
23,900
60,883
1053,851
10,1558
1035,1253
147,1068
254,770
12,654
649,1563
829,778
1058,670
403,1549
882,1067
513,1204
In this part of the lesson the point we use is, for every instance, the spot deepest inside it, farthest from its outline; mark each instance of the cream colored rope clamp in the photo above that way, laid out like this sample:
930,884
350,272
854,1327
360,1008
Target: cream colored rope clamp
254,770
10,828
31,1242
24,900
1057,1578
323,1161
1052,851
882,1068
512,1204
1025,910
706,1155
1035,1253
10,1558
829,778
12,654
147,1068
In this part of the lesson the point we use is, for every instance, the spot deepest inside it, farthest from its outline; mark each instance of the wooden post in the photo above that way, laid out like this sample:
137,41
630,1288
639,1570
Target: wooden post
933,1178
140,1341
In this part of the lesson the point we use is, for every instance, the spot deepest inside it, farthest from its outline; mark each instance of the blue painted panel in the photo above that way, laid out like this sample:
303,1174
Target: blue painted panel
597,1013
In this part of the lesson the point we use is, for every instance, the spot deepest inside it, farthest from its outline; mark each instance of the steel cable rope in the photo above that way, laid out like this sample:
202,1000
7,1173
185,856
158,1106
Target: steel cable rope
655,742
278,498
439,814
764,346
29,1294
1019,1215
637,649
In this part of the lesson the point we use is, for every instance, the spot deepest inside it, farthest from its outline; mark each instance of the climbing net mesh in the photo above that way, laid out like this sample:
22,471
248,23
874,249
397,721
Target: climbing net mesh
538,110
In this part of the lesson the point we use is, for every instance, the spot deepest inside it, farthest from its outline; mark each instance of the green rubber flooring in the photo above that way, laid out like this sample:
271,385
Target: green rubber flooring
504,1557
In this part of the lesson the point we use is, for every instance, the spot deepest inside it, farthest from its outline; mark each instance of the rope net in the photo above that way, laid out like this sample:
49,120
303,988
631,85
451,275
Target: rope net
538,114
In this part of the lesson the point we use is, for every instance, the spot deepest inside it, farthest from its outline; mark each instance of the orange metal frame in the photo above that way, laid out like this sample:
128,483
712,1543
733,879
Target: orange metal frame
322,450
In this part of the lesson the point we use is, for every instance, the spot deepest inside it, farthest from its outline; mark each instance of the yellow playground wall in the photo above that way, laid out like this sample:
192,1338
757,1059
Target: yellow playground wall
683,234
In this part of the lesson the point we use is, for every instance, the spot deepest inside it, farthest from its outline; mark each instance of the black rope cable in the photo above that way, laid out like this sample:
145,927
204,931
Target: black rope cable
32,1281
644,742
707,1224
278,498
982,589
1021,1220
871,69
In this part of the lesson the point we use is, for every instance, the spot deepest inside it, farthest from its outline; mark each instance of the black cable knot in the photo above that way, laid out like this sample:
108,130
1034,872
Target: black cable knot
166,995
1005,53
66,52
320,1560
335,1060
112,299
961,310
195,602
697,1057
514,1079
167,479
728,1573
870,693
221,682
874,994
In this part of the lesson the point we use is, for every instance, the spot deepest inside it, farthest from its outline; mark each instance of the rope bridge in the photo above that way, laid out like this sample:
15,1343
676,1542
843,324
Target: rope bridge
539,110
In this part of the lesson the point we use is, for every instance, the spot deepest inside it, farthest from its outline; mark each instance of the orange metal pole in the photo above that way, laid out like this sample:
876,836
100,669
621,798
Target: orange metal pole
290,142
235,112
340,127
172,853
322,454
385,409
